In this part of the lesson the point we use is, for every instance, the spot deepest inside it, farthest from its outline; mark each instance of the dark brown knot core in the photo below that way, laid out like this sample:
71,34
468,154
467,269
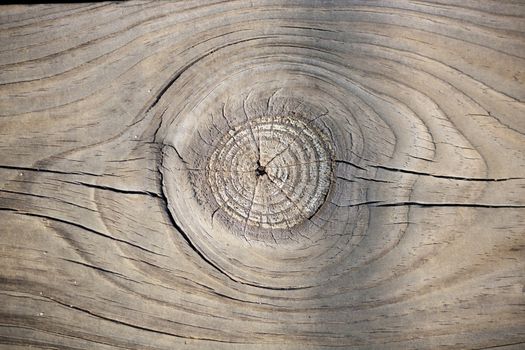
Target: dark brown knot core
261,170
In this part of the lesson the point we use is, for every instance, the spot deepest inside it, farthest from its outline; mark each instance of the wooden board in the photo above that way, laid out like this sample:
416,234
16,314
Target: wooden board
263,175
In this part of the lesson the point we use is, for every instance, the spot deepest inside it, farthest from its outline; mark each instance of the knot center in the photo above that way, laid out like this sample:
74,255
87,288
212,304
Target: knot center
261,170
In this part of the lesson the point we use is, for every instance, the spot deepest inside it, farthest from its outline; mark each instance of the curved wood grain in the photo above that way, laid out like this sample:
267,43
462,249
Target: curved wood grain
259,175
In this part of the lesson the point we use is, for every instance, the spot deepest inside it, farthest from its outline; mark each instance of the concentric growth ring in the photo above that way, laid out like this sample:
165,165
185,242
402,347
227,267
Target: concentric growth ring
271,172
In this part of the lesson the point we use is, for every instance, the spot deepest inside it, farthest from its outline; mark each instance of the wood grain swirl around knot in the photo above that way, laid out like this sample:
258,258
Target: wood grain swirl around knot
290,175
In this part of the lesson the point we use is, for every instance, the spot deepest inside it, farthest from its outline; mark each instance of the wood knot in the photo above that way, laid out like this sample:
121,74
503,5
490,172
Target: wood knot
271,172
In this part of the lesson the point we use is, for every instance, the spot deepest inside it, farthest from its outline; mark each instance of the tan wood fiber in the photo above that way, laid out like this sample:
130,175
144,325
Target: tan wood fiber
263,175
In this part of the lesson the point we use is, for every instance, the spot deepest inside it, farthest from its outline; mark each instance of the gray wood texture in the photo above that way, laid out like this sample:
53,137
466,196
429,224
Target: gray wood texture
263,175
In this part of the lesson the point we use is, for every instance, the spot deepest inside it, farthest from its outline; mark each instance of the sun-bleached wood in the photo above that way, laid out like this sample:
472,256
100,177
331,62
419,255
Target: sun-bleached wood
262,175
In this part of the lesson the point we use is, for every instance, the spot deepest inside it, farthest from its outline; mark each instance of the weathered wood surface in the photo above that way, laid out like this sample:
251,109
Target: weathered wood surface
147,202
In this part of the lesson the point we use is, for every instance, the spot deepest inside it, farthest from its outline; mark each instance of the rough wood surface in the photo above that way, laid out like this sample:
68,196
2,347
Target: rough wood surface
263,175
